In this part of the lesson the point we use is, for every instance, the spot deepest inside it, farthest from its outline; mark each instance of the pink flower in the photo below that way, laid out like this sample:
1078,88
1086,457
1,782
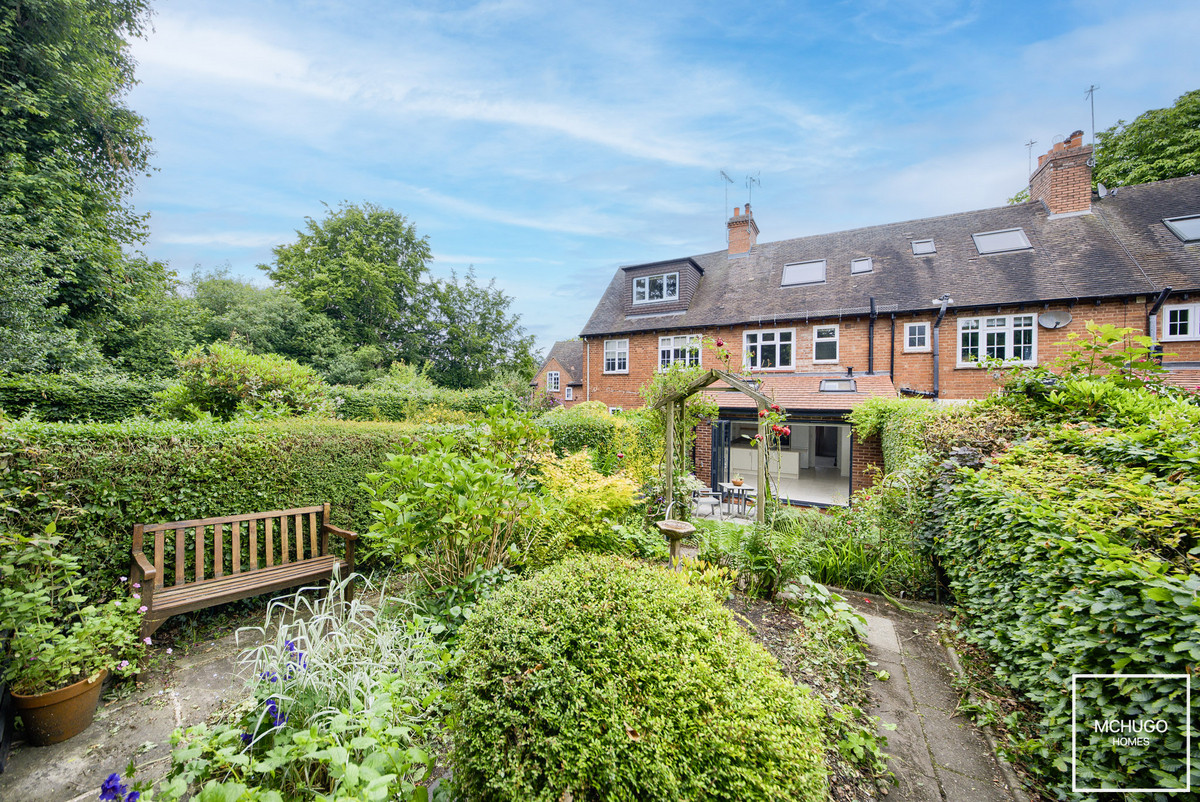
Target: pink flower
787,430
720,343
124,664
620,455
143,609
137,585
137,596
124,579
147,640
169,650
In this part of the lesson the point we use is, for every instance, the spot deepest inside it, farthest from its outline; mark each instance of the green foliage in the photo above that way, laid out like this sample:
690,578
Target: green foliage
375,402
32,335
582,508
607,679
108,477
1160,143
362,266
65,397
56,638
446,512
224,380
716,579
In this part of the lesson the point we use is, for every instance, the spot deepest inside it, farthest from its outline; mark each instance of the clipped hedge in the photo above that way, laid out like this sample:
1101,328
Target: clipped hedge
365,404
601,678
62,397
101,479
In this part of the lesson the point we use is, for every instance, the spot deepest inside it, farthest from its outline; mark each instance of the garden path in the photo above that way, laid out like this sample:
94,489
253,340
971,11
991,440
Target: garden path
192,684
936,753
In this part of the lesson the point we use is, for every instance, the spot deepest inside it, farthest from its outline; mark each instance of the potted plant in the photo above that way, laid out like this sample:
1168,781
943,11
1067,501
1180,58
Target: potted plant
61,648
737,480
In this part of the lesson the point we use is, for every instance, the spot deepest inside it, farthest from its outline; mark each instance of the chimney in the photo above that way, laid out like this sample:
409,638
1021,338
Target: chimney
743,231
1063,178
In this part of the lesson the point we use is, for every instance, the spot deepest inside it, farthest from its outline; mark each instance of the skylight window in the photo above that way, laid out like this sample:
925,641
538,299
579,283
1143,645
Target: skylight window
803,273
1010,239
838,386
864,265
1186,228
923,246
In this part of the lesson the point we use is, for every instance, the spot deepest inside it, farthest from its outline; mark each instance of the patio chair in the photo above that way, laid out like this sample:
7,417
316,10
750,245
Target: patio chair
707,498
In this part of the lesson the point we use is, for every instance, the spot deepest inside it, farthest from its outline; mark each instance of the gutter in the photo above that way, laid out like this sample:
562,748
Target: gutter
871,340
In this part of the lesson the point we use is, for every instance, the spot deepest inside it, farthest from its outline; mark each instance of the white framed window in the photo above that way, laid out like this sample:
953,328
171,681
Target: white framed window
1179,322
552,381
916,338
803,273
613,410
921,247
864,265
770,349
683,349
569,393
825,343
616,356
1010,338
652,289
1010,239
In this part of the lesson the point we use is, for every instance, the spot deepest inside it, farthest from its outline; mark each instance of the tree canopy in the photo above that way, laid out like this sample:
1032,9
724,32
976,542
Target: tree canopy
1160,143
362,266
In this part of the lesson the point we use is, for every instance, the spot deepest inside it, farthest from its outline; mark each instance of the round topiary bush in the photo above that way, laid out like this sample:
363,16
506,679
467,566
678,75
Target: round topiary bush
602,678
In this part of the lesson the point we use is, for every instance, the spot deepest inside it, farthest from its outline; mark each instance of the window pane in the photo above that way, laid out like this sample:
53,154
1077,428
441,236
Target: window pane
785,336
1013,239
673,285
785,355
921,247
1186,228
1178,322
826,350
861,265
826,333
803,273
768,356
656,288
969,345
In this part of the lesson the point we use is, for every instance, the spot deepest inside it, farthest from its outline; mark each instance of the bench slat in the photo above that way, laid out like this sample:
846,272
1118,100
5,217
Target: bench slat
159,548
312,536
268,523
253,545
231,588
218,550
237,548
180,553
298,523
225,519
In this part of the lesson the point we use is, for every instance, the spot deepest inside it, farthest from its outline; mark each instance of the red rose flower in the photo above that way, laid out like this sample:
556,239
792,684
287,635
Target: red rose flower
720,343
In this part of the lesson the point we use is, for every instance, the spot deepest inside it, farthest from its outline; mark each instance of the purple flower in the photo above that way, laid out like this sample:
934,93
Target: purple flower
137,596
247,737
137,586
124,579
290,645
134,796
143,609
146,640
112,790
124,664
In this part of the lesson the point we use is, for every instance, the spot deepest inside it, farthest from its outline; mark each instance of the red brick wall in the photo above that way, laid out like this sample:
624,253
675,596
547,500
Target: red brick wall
1063,179
865,457
703,452
564,379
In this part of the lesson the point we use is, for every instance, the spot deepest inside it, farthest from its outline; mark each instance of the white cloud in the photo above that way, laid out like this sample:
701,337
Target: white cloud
234,239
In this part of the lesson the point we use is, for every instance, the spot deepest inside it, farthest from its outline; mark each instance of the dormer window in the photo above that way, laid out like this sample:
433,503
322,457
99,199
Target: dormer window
1186,228
652,289
923,247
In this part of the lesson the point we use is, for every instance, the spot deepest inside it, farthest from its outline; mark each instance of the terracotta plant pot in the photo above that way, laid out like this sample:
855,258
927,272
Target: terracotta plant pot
62,714
738,482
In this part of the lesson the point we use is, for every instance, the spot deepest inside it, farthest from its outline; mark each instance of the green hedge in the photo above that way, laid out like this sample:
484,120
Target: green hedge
354,403
55,397
101,479
602,678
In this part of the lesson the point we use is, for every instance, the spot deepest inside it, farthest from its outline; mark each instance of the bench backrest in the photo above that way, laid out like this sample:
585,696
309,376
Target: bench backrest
190,551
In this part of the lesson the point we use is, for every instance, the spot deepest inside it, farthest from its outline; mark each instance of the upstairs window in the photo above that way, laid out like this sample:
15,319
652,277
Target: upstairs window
1180,322
1012,338
770,349
552,381
1186,228
864,265
651,289
616,356
825,343
683,349
916,338
803,273
1010,239
921,247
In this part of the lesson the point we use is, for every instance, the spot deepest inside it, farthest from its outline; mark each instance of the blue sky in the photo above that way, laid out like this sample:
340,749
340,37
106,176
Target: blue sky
547,143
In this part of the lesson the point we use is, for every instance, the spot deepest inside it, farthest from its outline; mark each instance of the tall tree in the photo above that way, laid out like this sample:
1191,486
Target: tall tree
1160,143
70,150
362,266
473,338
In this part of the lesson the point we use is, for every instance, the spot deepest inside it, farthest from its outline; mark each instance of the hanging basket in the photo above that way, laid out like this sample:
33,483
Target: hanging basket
58,715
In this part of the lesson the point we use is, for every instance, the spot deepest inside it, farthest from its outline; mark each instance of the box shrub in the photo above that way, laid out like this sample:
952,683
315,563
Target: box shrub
601,678
98,480
65,397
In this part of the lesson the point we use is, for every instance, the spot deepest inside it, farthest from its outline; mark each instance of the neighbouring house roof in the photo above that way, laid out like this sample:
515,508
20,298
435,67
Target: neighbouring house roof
569,355
802,393
1073,257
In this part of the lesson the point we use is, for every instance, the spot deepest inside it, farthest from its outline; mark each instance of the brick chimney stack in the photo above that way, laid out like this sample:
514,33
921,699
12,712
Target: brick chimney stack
1063,178
743,231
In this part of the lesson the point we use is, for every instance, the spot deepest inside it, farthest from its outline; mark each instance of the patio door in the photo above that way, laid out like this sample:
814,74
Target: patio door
721,436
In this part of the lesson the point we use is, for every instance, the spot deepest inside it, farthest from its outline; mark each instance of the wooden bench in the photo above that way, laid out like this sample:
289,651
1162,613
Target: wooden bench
265,551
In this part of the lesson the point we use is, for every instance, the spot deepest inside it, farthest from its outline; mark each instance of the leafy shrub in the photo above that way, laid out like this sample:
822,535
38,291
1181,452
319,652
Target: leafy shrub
605,679
765,558
223,380
55,397
406,393
98,480
582,508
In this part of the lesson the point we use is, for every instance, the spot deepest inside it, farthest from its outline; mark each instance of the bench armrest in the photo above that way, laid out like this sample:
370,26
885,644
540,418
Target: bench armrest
337,530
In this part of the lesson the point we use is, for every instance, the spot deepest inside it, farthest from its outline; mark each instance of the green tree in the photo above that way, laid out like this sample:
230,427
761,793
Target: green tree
362,266
32,337
70,151
1160,143
473,338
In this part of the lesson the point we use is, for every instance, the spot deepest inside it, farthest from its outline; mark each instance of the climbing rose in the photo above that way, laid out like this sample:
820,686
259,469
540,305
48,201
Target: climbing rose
762,414
720,343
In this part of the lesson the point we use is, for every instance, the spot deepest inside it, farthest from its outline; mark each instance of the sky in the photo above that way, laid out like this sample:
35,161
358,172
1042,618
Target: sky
548,143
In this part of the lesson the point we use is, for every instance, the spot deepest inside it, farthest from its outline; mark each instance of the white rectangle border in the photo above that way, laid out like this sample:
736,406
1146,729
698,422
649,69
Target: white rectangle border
1187,678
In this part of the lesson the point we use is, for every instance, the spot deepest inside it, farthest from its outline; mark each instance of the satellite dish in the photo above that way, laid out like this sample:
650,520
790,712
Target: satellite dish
1054,320
1101,190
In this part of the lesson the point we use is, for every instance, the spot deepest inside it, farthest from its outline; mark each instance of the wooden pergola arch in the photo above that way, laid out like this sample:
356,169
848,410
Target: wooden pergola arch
736,385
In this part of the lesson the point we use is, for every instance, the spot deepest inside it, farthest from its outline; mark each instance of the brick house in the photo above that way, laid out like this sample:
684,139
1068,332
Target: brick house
561,374
828,321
